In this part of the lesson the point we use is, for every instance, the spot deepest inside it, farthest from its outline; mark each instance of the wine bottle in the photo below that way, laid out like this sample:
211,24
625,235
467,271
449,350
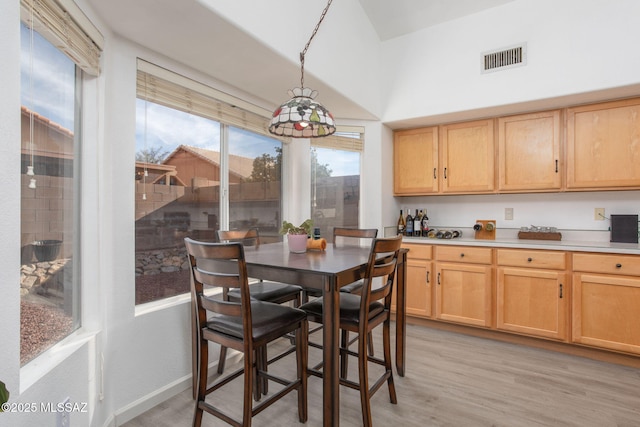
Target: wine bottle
417,220
401,223
424,225
408,231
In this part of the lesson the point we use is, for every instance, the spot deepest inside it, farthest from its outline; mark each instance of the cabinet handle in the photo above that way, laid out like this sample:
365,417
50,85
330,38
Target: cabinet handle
556,165
438,278
462,255
618,265
560,290
427,277
445,173
434,174
529,259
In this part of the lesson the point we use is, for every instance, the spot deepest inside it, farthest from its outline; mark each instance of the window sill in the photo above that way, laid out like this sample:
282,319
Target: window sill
37,368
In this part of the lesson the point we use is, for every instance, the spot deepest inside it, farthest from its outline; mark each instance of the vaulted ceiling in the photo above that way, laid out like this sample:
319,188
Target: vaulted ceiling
188,32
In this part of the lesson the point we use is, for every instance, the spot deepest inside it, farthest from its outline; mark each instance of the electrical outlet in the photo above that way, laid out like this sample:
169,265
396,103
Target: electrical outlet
599,214
508,214
63,415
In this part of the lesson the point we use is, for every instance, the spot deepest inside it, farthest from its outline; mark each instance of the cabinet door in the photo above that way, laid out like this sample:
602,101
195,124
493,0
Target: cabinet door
415,157
463,293
603,145
605,311
529,152
467,157
532,302
419,277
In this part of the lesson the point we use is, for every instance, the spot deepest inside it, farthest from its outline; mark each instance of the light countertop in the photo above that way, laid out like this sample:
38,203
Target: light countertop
572,240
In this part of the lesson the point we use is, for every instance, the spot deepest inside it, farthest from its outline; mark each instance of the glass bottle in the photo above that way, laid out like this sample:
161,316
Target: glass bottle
401,223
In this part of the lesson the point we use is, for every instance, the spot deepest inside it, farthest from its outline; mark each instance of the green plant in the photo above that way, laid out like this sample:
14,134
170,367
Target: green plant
4,395
304,228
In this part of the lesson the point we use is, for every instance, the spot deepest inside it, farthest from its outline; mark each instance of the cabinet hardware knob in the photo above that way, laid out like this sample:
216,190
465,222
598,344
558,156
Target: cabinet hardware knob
427,277
438,278
618,265
462,255
445,173
529,259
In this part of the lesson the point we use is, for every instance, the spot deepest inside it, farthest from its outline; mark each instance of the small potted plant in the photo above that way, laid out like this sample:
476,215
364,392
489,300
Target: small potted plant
297,236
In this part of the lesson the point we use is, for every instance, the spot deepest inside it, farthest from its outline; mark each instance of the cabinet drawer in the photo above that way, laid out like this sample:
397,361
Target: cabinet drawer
609,264
529,258
464,254
418,251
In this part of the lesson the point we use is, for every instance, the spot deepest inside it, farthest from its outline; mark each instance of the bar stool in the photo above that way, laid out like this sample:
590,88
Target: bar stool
361,314
246,326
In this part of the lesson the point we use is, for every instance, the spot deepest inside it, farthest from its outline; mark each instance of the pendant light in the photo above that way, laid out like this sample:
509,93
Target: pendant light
302,116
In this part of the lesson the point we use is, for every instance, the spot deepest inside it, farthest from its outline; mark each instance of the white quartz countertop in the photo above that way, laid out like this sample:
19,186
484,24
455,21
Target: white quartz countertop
582,241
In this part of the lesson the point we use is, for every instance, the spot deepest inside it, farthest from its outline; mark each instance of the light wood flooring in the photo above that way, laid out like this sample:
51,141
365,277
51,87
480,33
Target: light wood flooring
456,380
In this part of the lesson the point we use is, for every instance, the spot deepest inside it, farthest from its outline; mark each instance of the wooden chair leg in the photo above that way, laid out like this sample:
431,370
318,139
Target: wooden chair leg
201,382
302,359
222,359
386,338
363,371
249,380
370,341
344,359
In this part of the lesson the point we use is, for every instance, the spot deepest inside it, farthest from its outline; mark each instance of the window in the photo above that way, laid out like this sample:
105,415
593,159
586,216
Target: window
49,287
59,45
201,165
335,182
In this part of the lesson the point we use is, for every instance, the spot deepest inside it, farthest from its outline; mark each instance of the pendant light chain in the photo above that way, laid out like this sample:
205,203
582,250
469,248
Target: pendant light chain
306,47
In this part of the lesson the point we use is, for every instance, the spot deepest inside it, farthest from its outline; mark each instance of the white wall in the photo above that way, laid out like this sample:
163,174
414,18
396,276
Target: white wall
574,47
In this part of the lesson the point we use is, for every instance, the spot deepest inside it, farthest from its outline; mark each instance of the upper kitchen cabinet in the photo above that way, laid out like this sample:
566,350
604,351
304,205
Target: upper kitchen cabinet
529,152
603,145
415,162
467,157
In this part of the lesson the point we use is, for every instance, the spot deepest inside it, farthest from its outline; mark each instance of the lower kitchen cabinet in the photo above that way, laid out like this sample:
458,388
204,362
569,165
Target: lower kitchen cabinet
419,278
606,302
531,297
464,287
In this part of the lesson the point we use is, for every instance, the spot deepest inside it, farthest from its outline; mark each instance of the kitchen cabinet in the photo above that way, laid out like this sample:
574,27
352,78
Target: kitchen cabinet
466,157
532,293
418,280
415,161
606,301
603,145
529,152
464,277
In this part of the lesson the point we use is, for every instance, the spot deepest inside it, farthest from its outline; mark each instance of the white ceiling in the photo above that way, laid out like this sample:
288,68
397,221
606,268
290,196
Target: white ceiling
192,34
399,17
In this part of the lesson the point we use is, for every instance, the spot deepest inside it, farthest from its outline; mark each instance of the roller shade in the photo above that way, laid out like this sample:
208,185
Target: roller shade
64,25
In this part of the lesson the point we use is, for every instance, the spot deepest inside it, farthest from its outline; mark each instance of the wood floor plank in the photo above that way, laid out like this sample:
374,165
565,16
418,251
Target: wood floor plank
457,380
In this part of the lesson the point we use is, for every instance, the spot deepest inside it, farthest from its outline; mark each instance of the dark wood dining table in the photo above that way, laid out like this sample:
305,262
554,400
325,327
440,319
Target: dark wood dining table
328,271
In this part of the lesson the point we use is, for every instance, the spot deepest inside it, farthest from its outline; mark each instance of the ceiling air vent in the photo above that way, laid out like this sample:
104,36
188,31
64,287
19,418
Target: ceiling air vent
504,58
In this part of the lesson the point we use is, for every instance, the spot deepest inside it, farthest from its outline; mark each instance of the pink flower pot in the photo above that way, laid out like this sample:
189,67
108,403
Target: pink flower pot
297,243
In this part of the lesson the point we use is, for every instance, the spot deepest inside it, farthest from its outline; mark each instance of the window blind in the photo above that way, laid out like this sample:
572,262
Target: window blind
64,25
189,96
173,90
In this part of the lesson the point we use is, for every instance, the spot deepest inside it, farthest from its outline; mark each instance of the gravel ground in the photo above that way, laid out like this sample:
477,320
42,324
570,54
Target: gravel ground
41,326
158,286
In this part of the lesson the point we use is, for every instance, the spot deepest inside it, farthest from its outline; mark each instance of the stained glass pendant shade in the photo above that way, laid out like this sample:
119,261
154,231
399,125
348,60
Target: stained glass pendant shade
302,116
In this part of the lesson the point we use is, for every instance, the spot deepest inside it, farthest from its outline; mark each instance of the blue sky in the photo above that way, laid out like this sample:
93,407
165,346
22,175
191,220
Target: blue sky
52,75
